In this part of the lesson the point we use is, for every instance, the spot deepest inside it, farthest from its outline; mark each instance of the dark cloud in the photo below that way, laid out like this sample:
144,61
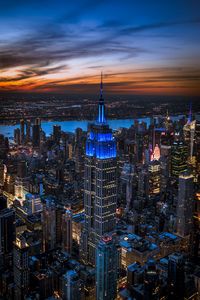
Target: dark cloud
145,27
55,44
52,43
31,73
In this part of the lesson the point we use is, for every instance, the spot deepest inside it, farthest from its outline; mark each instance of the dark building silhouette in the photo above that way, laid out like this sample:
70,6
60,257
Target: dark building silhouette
176,276
7,230
21,267
36,134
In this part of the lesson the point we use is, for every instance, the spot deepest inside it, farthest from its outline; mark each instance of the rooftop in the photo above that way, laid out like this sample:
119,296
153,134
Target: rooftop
136,243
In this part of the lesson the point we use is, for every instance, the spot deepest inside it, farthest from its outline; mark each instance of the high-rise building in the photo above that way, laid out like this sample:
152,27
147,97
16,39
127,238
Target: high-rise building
72,286
151,281
21,267
164,174
106,269
17,136
70,150
36,133
67,231
7,230
44,282
139,146
49,225
189,137
32,204
179,156
143,183
56,133
154,176
3,201
28,130
156,153
176,276
100,191
79,159
78,135
165,152
21,168
21,131
59,211
191,132
135,274
4,146
185,204
127,183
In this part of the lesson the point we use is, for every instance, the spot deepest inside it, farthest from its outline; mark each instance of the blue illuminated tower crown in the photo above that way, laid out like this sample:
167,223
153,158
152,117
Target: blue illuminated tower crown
100,142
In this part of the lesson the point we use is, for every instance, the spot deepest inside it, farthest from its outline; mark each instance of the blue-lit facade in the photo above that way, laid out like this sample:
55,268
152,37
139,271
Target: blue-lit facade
100,142
100,188
101,145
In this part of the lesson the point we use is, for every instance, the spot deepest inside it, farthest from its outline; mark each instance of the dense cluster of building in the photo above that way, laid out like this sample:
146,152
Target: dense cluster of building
101,214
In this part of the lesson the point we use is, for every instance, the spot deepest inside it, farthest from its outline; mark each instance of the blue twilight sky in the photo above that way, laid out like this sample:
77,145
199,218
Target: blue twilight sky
144,47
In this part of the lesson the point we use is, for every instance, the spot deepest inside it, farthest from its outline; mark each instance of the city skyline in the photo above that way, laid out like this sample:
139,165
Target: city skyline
100,200
142,47
101,214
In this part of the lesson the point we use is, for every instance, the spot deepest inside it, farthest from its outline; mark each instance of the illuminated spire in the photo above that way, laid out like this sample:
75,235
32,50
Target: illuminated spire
101,93
190,113
167,119
167,115
101,116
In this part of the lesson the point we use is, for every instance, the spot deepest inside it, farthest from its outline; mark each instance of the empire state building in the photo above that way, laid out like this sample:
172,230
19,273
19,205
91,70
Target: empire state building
100,190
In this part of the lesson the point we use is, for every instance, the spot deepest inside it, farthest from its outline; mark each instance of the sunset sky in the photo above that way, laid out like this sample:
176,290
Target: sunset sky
142,47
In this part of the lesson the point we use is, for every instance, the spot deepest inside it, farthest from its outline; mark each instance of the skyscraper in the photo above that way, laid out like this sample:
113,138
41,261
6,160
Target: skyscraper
67,231
99,184
154,174
72,286
21,169
28,130
36,134
21,268
179,156
191,132
185,204
21,131
17,135
176,276
7,231
49,225
151,281
106,269
3,201
57,133
189,137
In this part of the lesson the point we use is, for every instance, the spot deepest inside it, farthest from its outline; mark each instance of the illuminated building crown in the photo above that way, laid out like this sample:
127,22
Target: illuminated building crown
101,116
100,140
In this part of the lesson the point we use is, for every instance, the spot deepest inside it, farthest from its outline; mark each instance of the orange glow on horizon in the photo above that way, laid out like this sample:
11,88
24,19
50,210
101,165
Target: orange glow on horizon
135,82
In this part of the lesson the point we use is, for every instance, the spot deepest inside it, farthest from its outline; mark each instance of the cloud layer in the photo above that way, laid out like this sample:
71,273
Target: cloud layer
67,52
